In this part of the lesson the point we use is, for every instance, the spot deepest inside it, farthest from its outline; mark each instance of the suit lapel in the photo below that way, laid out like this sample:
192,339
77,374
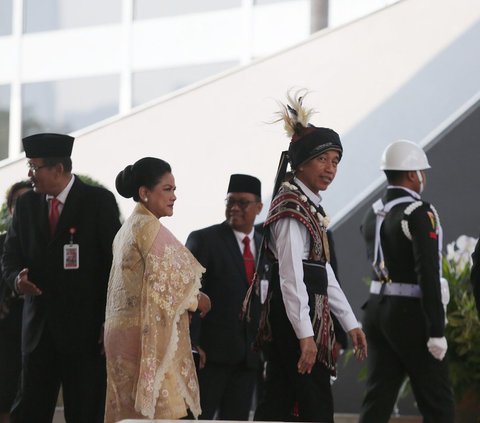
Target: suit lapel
231,245
43,222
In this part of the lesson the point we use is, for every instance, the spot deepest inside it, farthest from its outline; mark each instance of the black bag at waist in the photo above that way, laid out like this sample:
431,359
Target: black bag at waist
314,276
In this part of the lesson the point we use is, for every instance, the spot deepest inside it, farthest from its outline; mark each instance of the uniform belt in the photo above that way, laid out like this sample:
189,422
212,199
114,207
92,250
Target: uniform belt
396,289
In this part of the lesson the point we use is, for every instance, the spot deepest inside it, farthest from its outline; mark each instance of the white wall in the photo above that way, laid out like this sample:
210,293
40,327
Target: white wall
399,70
183,40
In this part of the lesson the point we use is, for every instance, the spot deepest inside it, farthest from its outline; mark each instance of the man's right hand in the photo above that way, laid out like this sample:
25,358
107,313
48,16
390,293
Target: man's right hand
25,287
308,355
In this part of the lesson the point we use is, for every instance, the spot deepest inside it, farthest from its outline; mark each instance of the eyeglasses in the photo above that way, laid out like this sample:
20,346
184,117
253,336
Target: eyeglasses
242,204
34,167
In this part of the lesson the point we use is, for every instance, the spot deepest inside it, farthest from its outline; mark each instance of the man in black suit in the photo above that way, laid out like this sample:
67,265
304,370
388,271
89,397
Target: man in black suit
58,254
228,251
404,317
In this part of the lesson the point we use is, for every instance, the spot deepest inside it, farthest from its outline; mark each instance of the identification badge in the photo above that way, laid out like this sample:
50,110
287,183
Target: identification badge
263,290
71,256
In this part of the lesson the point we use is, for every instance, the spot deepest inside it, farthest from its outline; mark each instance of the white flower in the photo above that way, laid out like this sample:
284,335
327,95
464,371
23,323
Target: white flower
466,244
459,252
451,251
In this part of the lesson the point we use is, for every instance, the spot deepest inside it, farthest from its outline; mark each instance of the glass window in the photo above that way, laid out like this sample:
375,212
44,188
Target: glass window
69,105
148,85
5,17
145,9
48,15
4,120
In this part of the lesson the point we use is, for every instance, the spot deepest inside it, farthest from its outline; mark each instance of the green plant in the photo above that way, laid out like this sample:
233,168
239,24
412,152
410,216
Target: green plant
4,218
90,181
463,328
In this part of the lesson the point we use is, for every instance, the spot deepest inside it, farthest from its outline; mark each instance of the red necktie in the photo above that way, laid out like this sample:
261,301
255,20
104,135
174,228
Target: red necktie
248,260
53,214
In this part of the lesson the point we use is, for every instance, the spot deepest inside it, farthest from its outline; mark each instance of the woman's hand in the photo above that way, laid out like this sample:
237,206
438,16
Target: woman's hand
204,304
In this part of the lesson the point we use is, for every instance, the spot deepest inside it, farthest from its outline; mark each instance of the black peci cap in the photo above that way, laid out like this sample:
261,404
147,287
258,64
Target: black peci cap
244,183
48,145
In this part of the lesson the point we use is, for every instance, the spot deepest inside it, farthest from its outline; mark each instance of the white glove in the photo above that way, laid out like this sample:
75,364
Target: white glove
437,347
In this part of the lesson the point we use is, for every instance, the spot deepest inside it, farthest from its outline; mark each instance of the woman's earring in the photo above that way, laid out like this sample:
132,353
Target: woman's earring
145,199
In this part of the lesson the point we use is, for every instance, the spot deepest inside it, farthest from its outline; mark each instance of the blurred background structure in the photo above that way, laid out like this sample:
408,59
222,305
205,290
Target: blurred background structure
194,82
68,64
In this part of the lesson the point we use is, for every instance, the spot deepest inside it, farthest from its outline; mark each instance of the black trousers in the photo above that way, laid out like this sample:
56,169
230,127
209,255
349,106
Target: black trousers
10,355
82,377
397,347
284,386
226,391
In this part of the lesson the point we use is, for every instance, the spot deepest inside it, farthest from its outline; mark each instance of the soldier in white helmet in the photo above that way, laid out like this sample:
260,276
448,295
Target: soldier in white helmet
404,316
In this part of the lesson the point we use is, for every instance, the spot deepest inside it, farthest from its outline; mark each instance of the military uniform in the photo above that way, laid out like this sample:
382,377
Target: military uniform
401,316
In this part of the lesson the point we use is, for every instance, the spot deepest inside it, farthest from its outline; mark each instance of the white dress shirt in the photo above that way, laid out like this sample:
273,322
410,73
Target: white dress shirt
62,197
240,236
290,243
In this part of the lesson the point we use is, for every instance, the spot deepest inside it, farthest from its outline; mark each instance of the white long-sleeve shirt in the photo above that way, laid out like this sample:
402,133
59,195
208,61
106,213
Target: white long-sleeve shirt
290,243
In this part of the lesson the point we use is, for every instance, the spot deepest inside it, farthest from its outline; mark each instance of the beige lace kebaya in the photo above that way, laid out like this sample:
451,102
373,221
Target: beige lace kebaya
154,282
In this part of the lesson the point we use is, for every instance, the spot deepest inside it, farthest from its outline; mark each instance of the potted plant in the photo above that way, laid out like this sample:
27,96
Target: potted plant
463,329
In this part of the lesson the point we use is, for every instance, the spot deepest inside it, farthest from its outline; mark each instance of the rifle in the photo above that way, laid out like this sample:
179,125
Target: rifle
255,286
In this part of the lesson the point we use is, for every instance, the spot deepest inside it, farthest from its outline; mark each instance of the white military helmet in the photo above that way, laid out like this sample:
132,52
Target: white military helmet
404,155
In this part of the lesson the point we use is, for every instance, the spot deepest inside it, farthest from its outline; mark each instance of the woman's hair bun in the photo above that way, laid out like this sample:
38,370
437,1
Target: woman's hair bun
144,172
125,182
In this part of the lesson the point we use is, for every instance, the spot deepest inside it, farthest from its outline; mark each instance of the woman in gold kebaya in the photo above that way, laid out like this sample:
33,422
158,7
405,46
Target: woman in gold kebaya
154,283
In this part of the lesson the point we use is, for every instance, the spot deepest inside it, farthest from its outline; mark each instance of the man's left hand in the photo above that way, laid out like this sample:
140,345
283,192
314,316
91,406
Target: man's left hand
204,304
437,347
359,341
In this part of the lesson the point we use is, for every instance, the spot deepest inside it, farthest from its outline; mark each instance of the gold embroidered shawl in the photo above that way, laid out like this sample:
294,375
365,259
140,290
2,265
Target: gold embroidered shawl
154,281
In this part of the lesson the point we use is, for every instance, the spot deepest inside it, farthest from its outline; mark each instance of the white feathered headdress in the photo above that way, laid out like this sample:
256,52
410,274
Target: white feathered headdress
294,115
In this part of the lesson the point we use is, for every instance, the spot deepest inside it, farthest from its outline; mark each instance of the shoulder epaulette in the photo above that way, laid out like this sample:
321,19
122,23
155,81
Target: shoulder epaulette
433,215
